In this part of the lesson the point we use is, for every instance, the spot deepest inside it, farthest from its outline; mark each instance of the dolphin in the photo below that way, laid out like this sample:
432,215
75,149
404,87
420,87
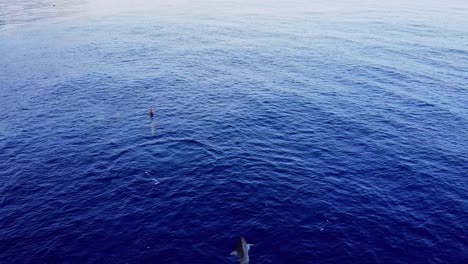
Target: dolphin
150,111
242,251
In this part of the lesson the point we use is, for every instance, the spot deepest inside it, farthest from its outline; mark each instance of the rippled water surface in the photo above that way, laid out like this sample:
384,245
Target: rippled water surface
322,131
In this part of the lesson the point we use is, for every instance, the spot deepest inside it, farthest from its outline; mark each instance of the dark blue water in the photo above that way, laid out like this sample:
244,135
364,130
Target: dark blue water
323,132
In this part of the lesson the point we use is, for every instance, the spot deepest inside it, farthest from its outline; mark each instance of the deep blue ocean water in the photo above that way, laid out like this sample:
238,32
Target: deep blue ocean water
322,131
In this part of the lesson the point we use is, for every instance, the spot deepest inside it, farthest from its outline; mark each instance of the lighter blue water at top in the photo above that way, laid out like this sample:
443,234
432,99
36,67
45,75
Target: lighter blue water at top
322,131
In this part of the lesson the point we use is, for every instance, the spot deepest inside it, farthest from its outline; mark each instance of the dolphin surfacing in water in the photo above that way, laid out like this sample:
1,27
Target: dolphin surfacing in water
150,111
242,251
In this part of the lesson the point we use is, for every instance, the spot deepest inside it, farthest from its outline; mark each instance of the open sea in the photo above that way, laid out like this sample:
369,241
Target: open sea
321,131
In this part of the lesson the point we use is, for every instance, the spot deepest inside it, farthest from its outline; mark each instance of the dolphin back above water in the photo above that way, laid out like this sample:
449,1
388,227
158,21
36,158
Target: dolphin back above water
242,251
